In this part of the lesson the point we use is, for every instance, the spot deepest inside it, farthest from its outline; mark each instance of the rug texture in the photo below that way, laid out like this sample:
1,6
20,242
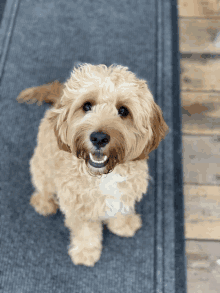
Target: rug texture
41,41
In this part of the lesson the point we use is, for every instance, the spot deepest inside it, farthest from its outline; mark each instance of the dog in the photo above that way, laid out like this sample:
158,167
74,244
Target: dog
91,155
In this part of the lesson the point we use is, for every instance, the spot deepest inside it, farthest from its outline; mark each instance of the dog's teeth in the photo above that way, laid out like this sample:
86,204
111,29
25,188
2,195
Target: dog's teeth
94,161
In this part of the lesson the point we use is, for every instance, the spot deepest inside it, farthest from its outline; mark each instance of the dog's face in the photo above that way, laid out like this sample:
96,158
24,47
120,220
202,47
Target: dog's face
107,116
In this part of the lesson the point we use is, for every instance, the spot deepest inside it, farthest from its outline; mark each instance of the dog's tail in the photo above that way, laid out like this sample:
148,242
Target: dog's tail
48,93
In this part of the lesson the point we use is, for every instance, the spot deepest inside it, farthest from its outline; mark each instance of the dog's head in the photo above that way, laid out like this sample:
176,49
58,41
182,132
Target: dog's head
107,116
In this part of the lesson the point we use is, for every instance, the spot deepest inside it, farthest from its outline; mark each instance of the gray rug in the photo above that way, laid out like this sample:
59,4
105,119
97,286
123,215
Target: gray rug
41,41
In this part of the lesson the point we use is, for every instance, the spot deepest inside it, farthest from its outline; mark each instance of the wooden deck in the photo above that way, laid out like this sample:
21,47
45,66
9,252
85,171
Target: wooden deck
199,26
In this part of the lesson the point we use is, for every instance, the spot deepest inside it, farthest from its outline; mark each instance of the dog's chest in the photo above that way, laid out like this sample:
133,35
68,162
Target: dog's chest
108,186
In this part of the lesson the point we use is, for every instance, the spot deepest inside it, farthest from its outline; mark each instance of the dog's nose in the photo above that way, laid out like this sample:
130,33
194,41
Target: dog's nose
99,139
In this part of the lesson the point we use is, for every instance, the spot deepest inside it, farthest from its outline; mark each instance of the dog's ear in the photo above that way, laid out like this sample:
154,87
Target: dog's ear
159,131
62,146
58,120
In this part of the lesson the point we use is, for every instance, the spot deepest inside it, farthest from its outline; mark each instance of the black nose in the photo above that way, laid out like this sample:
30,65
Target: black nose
99,139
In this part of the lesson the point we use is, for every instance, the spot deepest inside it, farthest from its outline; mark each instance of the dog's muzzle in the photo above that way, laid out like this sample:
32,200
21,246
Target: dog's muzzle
98,160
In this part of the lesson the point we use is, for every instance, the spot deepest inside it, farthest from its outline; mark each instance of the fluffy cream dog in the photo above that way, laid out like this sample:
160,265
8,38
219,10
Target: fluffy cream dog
90,159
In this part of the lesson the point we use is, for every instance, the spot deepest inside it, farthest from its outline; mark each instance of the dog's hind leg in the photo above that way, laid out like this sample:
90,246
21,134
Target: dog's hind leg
43,198
43,203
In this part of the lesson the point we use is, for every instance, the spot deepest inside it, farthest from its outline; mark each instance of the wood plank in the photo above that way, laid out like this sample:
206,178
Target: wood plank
199,36
202,211
199,8
201,160
203,266
200,74
201,113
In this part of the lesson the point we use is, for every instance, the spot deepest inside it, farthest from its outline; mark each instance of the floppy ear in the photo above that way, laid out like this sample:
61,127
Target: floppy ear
58,121
62,146
159,129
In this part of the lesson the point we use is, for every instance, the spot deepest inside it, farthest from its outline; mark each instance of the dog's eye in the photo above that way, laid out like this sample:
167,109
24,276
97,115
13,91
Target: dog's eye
123,111
87,106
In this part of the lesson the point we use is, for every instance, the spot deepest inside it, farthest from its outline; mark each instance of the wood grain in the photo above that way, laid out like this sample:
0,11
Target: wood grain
199,8
202,211
201,113
203,266
200,83
199,36
200,74
201,159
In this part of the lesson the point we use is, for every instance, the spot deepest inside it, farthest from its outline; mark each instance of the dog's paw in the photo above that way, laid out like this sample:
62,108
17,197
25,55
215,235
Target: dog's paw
43,206
125,226
87,256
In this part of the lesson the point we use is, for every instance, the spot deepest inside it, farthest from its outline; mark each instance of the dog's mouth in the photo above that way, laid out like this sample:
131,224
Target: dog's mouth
98,160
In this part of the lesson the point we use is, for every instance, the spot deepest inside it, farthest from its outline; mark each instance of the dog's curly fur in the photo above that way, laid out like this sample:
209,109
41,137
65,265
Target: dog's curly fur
61,168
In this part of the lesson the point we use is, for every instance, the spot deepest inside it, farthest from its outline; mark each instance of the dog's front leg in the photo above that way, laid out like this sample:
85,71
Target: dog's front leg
85,241
124,225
